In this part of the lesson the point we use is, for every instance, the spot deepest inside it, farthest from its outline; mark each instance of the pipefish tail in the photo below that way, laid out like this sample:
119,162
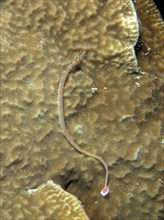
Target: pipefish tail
75,62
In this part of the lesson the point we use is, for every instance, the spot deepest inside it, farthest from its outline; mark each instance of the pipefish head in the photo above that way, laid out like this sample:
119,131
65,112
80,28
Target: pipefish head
77,59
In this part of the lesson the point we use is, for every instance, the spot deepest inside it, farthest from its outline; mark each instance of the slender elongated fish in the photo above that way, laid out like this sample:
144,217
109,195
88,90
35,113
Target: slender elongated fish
75,62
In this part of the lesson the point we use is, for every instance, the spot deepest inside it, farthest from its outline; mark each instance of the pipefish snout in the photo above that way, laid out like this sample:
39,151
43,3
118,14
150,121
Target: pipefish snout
75,62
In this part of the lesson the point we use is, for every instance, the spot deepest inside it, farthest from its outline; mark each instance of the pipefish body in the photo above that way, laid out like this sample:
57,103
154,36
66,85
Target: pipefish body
75,62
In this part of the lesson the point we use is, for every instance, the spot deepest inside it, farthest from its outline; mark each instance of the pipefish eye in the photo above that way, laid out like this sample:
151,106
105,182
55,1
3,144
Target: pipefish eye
76,60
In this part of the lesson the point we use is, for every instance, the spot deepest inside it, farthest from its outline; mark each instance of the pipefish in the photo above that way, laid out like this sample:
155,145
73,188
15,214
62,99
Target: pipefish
75,62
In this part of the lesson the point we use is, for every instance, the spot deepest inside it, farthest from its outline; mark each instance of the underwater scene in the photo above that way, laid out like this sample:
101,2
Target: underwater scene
82,110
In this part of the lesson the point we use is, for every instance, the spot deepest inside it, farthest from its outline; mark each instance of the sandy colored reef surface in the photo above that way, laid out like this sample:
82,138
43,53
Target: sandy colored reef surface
113,103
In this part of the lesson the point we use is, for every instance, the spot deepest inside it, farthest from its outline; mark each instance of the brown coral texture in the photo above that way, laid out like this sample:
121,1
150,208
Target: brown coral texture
113,107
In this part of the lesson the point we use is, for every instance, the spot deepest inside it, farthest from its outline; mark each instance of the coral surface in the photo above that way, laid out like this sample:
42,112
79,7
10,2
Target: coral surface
113,108
50,200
